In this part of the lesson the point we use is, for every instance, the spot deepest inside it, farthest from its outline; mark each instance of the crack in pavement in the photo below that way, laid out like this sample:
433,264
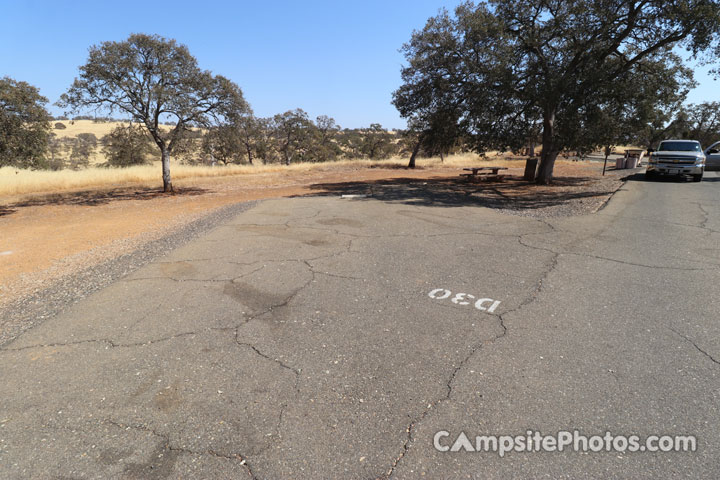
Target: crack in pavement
623,262
706,217
335,275
295,371
702,226
110,343
687,339
449,385
521,241
169,446
554,261
296,386
659,267
182,280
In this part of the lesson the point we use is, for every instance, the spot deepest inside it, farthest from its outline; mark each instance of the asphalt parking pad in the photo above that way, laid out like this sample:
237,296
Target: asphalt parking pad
303,329
333,338
186,396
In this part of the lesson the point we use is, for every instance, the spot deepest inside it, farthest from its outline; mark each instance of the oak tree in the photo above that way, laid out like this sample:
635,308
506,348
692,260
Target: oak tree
292,130
154,81
702,123
325,146
81,147
377,143
24,125
127,145
506,65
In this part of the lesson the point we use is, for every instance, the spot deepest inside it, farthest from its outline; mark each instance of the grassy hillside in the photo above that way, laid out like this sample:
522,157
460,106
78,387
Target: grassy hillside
73,128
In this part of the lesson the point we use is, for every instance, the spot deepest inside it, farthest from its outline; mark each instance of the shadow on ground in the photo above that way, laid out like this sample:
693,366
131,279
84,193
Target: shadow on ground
395,166
94,197
6,211
509,193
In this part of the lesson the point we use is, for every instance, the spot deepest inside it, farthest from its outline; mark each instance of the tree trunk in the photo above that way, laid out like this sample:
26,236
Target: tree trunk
249,152
415,151
167,182
549,150
286,156
608,151
442,157
547,164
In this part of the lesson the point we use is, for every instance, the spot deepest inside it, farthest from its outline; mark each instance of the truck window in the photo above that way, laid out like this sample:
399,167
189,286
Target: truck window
679,147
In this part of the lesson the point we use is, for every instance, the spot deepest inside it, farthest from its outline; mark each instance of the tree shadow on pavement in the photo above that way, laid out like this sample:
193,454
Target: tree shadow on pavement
95,197
509,193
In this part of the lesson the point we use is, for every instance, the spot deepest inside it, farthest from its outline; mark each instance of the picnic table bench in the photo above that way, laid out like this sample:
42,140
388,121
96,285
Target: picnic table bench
482,172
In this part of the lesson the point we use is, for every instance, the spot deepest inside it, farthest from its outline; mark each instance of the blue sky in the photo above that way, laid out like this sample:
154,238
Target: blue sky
337,58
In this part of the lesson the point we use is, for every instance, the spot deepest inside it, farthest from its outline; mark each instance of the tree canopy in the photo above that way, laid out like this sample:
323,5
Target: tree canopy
126,145
24,124
293,130
702,122
154,80
495,72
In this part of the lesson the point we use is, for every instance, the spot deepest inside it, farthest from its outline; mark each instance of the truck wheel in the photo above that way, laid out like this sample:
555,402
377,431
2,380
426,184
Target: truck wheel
649,176
697,178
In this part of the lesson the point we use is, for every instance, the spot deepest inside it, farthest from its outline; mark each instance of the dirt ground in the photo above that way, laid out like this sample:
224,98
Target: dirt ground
46,237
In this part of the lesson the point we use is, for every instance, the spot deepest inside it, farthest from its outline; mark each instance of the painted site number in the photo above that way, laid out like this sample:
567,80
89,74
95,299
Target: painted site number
483,304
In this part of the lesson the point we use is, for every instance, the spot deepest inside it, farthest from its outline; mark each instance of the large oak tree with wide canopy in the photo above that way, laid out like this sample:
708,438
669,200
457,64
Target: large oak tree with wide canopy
154,81
502,69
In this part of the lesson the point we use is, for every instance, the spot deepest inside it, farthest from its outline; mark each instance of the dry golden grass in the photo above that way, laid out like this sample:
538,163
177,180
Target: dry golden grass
75,128
14,181
99,129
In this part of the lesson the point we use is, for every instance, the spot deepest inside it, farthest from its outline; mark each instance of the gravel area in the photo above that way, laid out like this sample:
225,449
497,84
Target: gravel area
592,197
27,311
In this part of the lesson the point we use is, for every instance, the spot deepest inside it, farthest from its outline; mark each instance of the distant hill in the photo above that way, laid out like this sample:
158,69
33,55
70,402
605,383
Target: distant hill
73,128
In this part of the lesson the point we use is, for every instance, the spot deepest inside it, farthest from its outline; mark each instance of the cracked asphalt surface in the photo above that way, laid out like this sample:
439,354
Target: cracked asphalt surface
301,340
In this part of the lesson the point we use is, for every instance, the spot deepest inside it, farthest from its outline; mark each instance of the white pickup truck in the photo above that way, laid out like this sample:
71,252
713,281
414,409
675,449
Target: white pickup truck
677,157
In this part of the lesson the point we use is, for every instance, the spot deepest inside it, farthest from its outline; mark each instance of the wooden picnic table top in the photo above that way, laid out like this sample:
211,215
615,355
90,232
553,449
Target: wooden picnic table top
477,169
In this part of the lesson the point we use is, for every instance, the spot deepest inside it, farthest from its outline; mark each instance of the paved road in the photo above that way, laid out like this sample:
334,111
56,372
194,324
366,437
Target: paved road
300,340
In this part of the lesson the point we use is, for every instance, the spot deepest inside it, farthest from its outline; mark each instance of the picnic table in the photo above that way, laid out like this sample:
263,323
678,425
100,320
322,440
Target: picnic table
482,172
